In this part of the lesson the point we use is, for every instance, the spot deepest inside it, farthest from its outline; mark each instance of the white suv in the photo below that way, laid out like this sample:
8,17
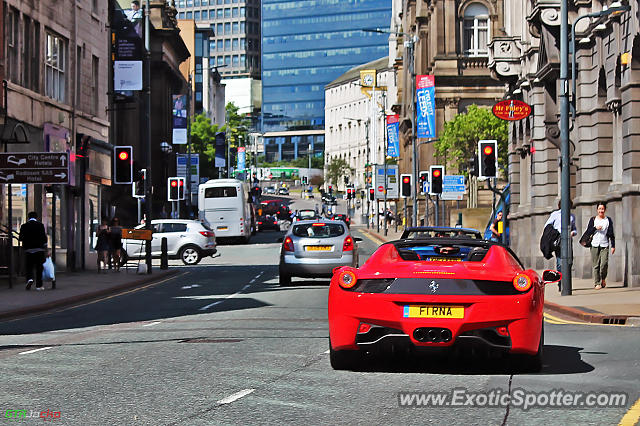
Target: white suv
187,240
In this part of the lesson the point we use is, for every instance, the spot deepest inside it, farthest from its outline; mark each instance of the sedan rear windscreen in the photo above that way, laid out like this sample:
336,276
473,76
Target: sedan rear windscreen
312,230
221,192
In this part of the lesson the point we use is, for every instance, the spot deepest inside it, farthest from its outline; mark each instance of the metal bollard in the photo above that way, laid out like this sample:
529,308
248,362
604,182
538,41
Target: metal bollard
164,259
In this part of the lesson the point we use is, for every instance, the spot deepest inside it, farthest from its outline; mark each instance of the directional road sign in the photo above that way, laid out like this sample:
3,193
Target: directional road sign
34,167
453,187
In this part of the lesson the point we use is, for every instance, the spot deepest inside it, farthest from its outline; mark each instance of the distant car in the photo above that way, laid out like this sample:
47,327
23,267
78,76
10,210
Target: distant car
187,240
277,208
313,249
438,293
283,191
329,199
267,222
343,217
306,214
270,190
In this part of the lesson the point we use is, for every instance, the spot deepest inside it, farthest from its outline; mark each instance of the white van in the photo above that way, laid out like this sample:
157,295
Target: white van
225,205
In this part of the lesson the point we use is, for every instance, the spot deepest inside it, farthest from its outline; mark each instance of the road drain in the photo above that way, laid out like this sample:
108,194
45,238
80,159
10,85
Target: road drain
614,320
202,340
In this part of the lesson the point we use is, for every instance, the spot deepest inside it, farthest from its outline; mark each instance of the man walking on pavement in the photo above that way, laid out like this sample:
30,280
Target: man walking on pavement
34,244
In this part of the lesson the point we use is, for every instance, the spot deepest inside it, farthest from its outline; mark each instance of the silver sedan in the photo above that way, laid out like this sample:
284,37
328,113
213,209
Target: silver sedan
313,248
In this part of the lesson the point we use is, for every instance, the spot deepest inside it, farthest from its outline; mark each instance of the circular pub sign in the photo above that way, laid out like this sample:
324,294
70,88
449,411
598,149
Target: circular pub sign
511,110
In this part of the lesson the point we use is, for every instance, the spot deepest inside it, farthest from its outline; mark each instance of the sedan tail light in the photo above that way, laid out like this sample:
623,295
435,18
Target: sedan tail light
208,234
288,244
348,244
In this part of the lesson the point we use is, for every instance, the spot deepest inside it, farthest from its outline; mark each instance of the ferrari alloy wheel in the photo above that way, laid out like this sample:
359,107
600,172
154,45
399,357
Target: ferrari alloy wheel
190,255
344,360
285,279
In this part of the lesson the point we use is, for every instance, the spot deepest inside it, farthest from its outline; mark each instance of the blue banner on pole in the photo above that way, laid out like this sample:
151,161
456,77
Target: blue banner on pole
426,106
241,157
221,149
393,137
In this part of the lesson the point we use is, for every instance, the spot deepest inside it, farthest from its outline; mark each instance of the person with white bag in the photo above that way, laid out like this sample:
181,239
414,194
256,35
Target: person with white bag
34,244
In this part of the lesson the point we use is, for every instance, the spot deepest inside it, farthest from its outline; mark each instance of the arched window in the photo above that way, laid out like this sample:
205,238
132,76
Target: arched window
475,29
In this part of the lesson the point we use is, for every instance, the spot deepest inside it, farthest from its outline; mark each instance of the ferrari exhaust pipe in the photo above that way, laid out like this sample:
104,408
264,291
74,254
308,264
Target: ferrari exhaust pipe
433,335
419,334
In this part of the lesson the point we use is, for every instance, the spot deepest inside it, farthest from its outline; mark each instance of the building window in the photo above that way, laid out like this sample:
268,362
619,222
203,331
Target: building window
13,31
227,60
227,45
94,7
235,61
189,15
227,13
234,12
219,30
220,45
55,66
196,3
181,15
476,30
234,45
236,27
220,60
196,15
205,2
242,12
212,46
95,79
227,28
205,15
220,13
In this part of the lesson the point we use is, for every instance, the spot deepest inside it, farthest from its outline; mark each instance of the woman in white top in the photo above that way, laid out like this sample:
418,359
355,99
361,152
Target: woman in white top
601,227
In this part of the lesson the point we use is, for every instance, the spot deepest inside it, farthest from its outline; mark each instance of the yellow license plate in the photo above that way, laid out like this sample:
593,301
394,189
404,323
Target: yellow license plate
433,311
222,228
318,248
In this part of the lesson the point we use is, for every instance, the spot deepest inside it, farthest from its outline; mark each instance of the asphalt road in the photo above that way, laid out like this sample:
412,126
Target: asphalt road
222,343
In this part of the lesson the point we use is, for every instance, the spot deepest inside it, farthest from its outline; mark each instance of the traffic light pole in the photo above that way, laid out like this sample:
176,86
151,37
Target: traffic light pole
384,159
147,190
505,213
410,46
188,182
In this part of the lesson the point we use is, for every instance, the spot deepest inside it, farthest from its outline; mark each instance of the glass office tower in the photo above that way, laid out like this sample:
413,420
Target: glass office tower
306,44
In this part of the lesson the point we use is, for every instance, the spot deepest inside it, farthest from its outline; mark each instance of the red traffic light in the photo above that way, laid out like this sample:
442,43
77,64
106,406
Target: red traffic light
174,183
371,191
406,179
436,173
123,155
488,150
181,182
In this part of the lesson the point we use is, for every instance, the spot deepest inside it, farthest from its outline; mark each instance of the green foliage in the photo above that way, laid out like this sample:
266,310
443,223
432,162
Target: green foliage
237,127
459,139
203,137
337,169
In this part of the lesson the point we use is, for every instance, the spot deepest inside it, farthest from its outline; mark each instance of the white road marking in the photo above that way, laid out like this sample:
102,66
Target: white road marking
204,308
35,350
256,277
327,351
152,324
187,287
236,396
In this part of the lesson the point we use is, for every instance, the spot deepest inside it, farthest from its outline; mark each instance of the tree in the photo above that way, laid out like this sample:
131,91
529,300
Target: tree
337,169
203,137
459,139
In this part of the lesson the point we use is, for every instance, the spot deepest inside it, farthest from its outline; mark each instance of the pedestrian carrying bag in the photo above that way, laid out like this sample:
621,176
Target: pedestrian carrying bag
48,270
585,240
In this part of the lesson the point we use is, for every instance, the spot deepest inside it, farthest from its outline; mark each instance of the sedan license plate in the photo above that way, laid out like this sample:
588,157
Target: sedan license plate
317,248
433,311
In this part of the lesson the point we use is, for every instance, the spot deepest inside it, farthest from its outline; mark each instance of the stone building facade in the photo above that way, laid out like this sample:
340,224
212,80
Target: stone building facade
451,43
604,135
55,58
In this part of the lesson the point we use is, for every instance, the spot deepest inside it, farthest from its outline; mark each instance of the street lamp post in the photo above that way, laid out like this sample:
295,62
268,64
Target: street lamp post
565,181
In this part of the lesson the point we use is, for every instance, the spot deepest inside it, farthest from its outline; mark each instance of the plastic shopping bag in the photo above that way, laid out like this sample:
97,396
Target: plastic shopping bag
48,271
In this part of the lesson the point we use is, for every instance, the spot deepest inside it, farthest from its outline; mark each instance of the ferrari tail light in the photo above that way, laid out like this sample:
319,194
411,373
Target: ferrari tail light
348,244
347,279
522,282
288,244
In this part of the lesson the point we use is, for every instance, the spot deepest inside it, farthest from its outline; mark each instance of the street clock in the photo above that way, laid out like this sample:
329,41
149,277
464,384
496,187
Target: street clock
368,78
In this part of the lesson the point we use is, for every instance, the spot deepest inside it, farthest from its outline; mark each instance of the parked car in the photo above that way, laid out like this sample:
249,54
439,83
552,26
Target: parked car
313,249
268,222
283,191
187,240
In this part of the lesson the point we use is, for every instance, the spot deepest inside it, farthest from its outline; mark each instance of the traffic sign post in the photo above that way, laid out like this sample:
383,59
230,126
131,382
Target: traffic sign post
34,167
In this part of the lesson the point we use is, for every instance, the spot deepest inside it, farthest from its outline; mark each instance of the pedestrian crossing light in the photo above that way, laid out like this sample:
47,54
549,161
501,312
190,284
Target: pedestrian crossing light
172,189
406,186
437,175
123,164
487,153
138,186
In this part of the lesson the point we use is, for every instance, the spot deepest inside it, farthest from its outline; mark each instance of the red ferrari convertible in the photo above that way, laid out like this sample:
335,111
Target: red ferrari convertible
438,289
